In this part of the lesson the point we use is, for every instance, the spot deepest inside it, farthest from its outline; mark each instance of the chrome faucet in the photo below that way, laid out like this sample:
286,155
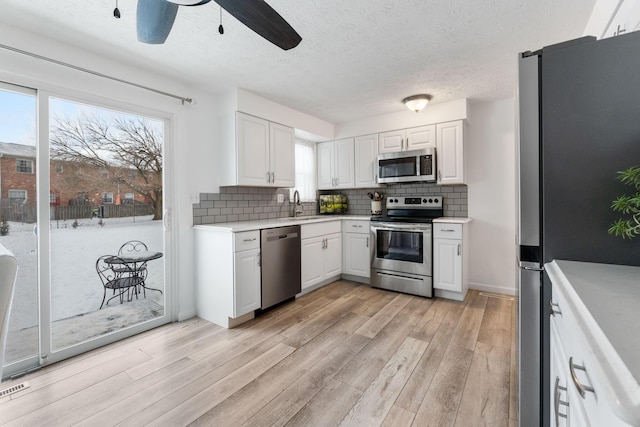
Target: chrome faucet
296,203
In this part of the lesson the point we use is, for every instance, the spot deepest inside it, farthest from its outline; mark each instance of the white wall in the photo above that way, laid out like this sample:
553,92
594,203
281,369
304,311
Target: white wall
434,113
190,147
490,155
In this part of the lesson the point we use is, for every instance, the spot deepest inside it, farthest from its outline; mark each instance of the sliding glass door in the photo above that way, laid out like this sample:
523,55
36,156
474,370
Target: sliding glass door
18,213
102,255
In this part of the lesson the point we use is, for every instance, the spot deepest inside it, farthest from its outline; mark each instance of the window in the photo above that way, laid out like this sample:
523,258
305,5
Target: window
305,171
52,197
18,196
107,198
24,166
128,196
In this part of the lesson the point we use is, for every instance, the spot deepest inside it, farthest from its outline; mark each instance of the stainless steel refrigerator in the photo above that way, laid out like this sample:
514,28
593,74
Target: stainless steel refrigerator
579,124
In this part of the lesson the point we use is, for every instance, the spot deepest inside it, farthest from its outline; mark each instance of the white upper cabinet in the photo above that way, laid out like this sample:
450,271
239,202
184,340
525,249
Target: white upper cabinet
389,142
421,137
252,134
335,164
407,139
450,153
265,153
366,155
282,155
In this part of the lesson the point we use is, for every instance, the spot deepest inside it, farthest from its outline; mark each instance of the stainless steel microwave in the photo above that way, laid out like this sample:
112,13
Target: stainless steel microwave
407,166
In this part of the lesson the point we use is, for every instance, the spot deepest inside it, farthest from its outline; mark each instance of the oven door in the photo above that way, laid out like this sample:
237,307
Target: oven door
401,247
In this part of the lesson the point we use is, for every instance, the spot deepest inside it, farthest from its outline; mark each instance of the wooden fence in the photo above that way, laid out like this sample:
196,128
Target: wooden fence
27,213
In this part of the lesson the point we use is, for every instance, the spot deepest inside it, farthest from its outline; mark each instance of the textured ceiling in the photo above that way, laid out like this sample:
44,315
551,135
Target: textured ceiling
358,58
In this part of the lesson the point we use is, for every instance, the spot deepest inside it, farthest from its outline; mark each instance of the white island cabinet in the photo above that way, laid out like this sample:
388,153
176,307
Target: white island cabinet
321,254
595,352
450,257
227,275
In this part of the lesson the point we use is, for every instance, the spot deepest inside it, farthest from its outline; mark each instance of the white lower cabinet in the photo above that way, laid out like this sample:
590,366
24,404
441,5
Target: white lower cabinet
450,260
246,267
227,275
321,253
356,253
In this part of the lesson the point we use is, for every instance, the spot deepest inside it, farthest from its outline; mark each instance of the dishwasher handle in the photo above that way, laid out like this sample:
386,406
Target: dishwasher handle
282,237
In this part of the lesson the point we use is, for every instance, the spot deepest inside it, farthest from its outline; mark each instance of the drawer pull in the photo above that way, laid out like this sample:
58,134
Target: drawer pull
250,240
582,389
555,308
558,402
448,230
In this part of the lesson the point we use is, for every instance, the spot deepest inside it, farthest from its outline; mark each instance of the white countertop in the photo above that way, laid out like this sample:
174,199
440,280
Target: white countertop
606,302
235,227
453,220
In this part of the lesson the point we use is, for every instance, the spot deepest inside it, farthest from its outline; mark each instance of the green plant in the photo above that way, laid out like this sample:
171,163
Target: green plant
4,228
628,205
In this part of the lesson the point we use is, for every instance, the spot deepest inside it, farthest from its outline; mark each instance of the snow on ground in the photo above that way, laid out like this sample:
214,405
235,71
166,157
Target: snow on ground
76,289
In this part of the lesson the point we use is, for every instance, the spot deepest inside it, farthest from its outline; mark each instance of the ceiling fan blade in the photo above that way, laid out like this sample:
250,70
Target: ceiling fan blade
266,22
189,2
154,19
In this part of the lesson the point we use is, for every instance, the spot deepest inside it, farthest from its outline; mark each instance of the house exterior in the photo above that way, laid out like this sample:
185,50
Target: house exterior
71,183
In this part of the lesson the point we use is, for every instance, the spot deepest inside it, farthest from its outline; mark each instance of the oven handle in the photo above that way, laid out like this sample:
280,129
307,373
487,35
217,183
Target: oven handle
396,226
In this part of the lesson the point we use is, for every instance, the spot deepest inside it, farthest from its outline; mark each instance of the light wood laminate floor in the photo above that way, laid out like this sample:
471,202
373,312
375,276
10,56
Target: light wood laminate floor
346,354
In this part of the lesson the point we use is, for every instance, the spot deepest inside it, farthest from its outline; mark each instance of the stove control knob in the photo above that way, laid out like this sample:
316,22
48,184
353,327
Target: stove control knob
396,200
436,200
424,200
430,200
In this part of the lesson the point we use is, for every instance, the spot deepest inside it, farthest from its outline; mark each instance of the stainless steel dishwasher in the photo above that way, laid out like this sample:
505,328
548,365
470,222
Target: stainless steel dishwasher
280,248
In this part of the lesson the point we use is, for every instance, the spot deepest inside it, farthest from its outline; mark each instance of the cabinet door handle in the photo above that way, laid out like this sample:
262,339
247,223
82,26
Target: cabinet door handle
326,243
250,240
273,177
448,230
458,249
582,389
259,259
268,177
558,402
553,306
367,242
439,175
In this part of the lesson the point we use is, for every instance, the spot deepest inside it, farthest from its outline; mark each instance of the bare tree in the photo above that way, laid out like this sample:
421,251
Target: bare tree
127,152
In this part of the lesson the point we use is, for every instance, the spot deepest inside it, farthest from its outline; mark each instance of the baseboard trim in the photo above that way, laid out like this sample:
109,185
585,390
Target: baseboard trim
492,288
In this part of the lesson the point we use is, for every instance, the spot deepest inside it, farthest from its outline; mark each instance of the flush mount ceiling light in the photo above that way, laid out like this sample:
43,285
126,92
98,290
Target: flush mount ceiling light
417,102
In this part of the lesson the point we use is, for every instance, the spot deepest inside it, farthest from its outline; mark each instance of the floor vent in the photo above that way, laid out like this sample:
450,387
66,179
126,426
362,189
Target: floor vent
499,296
14,389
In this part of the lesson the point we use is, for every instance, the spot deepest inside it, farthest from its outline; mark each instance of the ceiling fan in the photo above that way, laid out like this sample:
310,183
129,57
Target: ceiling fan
155,19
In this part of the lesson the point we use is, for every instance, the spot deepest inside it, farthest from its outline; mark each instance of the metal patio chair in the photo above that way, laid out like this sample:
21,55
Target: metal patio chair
116,275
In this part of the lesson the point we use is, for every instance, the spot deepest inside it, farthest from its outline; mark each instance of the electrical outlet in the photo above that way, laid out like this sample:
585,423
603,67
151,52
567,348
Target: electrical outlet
195,198
280,198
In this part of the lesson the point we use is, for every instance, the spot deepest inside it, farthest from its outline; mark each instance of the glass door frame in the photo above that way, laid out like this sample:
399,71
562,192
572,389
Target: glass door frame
47,354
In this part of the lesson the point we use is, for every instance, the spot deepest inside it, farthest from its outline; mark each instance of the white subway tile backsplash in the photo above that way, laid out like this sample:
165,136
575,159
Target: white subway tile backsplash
253,203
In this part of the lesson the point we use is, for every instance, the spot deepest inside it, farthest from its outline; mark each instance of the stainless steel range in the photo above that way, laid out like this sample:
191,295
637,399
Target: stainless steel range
401,256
